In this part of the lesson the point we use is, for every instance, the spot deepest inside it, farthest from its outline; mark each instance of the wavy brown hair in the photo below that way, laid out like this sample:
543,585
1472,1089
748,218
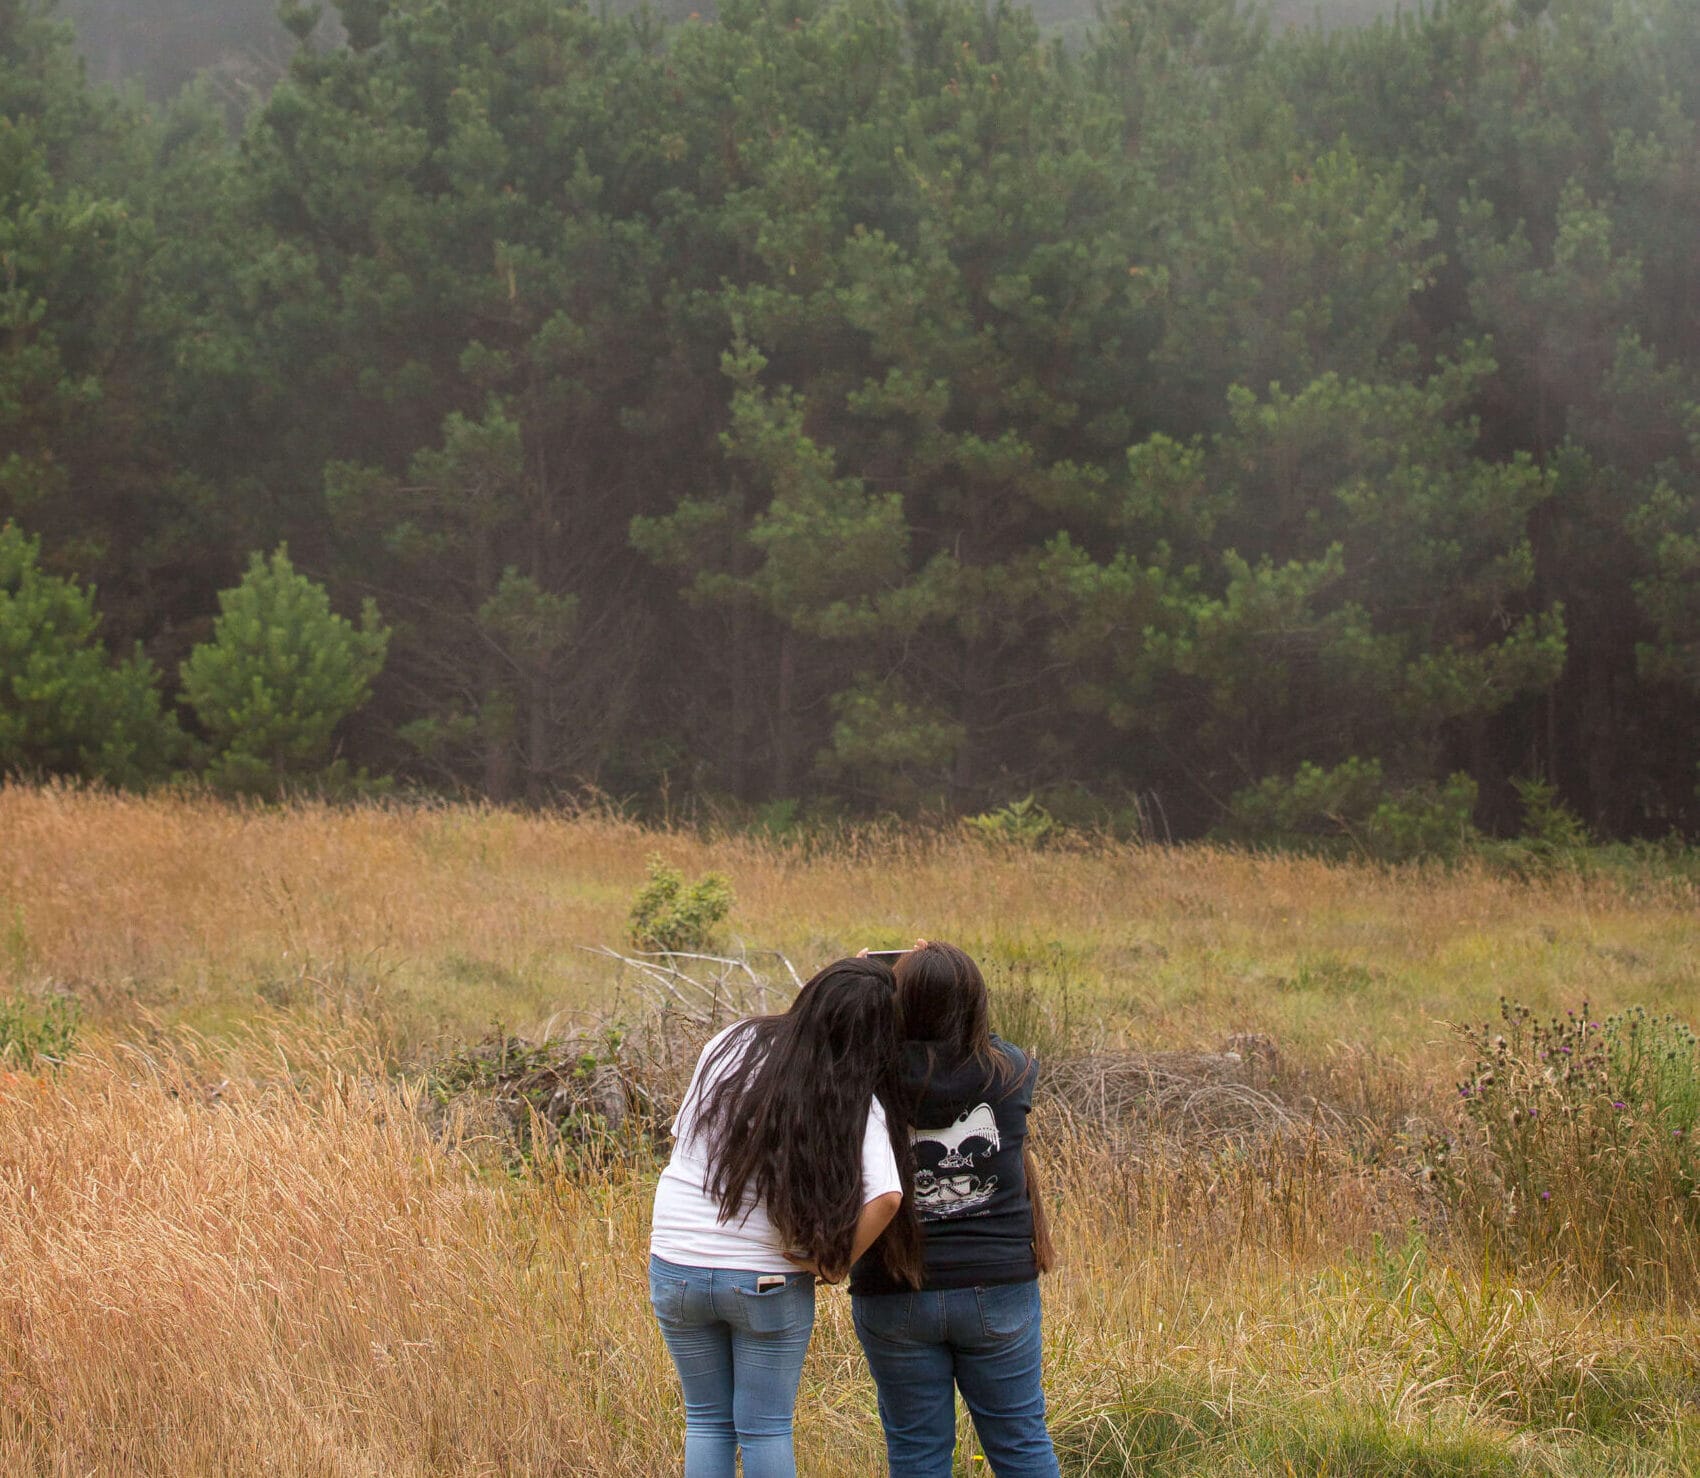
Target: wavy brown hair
787,1113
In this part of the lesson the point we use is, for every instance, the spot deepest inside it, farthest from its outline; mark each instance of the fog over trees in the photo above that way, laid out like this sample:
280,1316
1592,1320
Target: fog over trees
164,43
1276,430
246,44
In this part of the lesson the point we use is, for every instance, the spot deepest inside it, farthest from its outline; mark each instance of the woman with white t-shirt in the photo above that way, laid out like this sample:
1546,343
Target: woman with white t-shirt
784,1168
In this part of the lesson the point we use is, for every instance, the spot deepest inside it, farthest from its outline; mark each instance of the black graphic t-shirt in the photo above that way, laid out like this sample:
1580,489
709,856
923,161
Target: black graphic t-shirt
969,1130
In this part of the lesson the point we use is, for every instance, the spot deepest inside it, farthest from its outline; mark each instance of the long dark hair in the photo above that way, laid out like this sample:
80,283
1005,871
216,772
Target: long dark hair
941,1000
788,1111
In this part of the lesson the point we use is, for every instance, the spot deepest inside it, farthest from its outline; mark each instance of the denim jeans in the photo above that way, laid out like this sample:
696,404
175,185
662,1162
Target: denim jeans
740,1356
984,1341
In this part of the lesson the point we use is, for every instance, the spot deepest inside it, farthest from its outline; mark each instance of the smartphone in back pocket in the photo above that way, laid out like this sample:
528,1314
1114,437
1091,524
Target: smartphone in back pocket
769,1281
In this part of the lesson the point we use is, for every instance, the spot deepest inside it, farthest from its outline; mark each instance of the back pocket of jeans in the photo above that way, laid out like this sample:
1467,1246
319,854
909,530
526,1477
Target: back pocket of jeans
778,1310
882,1315
667,1296
1007,1309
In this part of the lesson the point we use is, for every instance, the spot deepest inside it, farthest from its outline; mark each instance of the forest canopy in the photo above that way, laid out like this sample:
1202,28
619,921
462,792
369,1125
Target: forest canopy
863,406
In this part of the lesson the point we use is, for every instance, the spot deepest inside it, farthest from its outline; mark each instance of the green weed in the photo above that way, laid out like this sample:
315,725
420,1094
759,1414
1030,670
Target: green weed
38,1032
672,916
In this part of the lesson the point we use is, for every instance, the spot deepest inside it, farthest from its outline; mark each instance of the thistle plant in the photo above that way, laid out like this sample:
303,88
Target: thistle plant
1584,1129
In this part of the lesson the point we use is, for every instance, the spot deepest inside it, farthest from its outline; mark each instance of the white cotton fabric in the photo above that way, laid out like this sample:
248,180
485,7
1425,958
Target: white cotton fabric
687,1228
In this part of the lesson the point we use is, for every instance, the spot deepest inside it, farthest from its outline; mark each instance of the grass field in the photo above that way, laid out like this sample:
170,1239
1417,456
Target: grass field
239,1235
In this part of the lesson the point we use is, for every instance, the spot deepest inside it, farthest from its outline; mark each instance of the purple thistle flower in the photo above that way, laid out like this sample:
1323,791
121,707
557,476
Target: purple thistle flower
1546,1195
1617,1103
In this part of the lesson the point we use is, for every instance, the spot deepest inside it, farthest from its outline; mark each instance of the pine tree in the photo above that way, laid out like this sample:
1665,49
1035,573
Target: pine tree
65,708
280,673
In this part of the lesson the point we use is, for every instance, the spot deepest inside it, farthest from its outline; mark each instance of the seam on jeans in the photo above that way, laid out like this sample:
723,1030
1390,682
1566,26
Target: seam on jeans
897,1330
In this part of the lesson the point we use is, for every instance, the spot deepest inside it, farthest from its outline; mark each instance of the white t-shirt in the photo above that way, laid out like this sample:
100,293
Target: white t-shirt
687,1228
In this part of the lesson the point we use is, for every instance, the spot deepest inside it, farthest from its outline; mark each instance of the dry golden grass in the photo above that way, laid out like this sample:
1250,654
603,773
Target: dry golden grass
435,921
232,1245
291,1276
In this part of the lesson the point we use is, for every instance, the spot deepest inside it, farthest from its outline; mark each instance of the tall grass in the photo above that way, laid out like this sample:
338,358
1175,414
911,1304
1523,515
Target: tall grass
210,1271
239,1238
256,1259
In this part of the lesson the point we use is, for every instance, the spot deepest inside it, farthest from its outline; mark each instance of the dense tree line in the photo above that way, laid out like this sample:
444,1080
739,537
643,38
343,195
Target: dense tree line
876,405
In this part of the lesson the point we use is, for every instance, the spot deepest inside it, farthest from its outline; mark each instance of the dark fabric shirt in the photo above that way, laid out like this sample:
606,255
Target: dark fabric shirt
969,1130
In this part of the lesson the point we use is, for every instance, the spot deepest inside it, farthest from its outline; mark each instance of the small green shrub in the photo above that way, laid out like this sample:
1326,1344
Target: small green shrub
1550,828
675,917
778,820
1586,1132
38,1033
1353,807
1022,823
1423,821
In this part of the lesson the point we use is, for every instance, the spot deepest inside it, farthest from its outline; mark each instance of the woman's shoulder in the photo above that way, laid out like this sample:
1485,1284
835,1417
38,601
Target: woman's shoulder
1023,1071
723,1049
726,1033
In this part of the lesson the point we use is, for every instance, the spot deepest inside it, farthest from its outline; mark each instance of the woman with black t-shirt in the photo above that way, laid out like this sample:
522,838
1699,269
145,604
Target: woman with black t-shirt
974,1323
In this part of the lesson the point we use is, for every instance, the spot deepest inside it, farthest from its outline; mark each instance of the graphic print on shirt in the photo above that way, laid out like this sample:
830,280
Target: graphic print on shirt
948,1186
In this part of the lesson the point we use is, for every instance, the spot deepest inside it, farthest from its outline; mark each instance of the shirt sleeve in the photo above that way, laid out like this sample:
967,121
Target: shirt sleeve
879,1164
685,1119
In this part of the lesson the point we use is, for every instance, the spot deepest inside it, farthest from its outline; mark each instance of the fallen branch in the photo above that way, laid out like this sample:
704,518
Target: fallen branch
733,988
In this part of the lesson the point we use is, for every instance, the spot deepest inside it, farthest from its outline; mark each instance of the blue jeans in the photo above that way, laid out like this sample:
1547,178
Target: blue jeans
740,1357
984,1341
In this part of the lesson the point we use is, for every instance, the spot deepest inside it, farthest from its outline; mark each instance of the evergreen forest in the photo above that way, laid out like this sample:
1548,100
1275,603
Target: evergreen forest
1192,421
